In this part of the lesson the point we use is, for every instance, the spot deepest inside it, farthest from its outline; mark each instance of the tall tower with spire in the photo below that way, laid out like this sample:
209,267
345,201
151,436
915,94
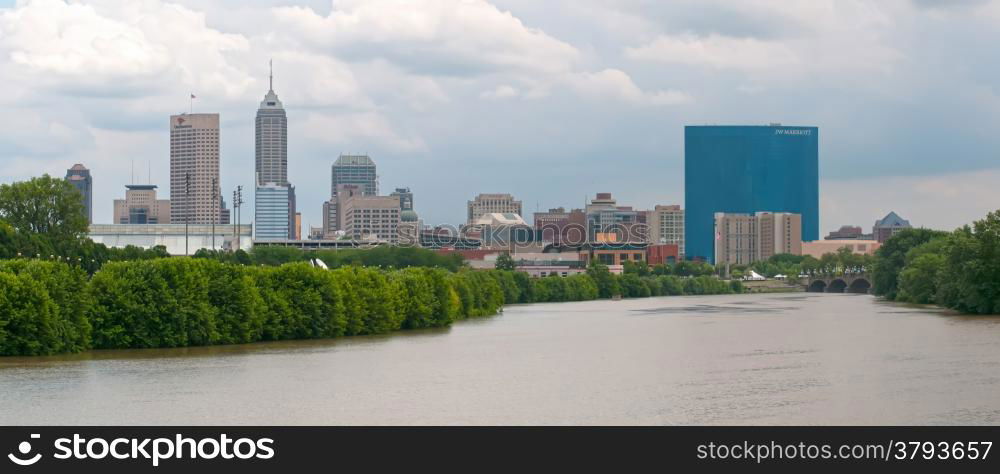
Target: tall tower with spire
271,139
274,215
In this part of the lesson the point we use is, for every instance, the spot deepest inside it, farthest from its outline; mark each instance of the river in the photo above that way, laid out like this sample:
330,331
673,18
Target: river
801,358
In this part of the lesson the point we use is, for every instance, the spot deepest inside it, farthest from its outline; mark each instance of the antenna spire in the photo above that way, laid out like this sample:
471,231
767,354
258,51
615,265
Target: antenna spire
270,76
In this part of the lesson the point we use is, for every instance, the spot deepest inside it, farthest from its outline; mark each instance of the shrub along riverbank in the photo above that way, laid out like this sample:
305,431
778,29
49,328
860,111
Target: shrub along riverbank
958,270
51,307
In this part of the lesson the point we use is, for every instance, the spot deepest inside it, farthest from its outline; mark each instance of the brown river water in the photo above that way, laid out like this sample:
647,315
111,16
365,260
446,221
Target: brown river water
801,358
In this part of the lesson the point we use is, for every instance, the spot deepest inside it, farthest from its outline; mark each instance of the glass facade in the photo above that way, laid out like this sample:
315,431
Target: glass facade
355,169
748,169
271,212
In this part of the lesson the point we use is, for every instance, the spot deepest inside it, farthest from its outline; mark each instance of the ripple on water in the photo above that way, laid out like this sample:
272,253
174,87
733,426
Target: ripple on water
712,309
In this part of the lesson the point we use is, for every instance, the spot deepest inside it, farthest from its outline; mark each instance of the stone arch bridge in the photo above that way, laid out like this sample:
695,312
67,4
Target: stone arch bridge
847,283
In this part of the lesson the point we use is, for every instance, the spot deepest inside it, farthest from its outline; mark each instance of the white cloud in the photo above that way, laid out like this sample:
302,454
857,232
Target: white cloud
716,51
357,131
501,92
452,36
114,47
788,41
615,83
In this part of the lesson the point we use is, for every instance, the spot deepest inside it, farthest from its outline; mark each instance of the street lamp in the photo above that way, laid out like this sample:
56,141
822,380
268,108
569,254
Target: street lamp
187,206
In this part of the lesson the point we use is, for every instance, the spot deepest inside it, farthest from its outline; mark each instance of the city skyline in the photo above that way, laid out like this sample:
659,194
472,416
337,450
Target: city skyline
473,119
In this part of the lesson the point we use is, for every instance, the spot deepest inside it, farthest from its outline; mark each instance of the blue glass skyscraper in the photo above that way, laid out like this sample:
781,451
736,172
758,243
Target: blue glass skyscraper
746,169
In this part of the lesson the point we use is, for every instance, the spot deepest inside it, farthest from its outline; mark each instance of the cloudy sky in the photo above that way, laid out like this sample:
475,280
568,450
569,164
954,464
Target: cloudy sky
549,100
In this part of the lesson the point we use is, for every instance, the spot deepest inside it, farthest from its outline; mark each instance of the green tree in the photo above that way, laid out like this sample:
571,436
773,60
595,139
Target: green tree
46,206
918,280
890,259
607,284
970,279
505,262
28,317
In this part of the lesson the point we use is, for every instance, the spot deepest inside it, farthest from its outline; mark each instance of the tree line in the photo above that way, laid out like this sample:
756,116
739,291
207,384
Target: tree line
51,307
958,270
382,256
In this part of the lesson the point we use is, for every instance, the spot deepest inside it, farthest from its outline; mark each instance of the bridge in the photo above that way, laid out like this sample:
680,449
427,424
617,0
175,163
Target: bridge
846,283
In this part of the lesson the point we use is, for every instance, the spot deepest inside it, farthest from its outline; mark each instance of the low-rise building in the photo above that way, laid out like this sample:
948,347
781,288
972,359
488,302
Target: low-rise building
848,232
140,206
662,254
172,236
821,247
613,253
889,226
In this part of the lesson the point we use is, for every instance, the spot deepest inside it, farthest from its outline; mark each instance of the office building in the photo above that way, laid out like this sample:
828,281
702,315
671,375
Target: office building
354,169
140,206
194,169
551,217
561,226
748,169
742,239
609,222
332,221
354,172
666,226
271,168
889,226
405,198
491,203
373,218
79,177
298,226
271,139
224,214
271,205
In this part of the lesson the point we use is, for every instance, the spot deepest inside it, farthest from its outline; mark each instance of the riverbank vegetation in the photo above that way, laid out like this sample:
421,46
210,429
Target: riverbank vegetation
52,307
382,256
958,270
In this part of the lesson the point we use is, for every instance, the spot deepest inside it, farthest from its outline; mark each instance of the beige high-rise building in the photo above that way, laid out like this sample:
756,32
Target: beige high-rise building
194,164
332,220
140,206
742,239
370,217
666,226
492,203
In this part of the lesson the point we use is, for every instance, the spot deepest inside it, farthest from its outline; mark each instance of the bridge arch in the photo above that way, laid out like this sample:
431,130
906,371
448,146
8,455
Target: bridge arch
859,285
817,286
836,286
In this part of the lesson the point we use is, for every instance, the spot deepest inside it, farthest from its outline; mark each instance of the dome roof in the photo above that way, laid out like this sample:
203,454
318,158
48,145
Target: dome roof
408,215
